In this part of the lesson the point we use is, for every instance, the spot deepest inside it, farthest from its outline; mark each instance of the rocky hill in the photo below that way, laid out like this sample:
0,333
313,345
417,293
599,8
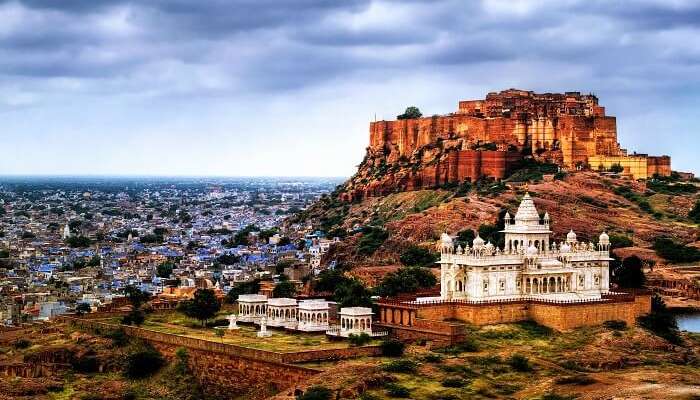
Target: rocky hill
459,173
378,229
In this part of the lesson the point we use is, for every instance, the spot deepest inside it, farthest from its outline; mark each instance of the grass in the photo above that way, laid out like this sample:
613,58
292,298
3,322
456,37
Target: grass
246,336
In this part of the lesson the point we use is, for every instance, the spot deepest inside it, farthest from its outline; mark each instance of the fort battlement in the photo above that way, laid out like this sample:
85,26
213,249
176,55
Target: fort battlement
487,137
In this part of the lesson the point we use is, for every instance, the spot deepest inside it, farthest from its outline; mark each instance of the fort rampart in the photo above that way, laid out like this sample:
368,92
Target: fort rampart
229,368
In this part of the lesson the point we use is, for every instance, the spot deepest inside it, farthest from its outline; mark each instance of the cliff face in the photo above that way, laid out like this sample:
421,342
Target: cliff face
484,138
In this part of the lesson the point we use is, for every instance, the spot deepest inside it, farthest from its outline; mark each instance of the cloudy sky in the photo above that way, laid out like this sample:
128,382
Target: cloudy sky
263,87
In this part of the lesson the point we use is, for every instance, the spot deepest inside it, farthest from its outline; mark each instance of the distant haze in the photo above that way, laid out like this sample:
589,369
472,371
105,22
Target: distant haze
270,88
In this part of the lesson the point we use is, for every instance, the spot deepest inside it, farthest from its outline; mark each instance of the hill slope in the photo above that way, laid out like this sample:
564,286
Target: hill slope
586,202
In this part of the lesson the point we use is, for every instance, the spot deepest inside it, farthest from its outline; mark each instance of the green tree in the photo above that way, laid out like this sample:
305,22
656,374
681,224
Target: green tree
694,214
465,237
136,296
285,288
406,280
328,280
352,293
411,112
282,264
619,241
203,306
316,393
143,361
82,308
228,259
630,275
78,241
94,261
371,239
164,270
617,168
675,252
419,256
250,287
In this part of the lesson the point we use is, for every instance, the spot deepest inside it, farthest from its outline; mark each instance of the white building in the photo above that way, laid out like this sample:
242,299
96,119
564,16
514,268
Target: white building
313,315
529,265
282,312
355,320
251,307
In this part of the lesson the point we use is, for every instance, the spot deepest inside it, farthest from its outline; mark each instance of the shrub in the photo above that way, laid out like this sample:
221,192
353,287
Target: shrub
519,363
86,363
316,393
134,317
629,274
675,252
359,339
21,344
453,382
580,379
394,390
392,348
433,358
660,321
619,241
403,366
418,256
469,345
410,113
694,214
406,280
615,325
142,361
371,239
118,336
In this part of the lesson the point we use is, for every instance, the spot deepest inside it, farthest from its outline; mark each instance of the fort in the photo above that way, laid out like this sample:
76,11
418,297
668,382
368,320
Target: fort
487,138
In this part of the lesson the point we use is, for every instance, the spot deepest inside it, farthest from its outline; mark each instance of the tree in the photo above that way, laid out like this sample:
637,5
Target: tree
282,264
228,259
316,393
630,275
164,270
411,112
406,280
203,306
661,322
418,256
82,308
465,237
616,168
328,280
694,214
285,288
94,261
619,241
136,296
220,334
78,241
143,361
352,293
371,239
675,252
250,287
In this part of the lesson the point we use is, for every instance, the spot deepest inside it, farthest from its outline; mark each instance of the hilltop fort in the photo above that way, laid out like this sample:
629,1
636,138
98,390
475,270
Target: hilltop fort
489,137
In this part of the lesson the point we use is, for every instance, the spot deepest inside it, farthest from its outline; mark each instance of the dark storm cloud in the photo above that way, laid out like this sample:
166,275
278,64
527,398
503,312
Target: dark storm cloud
271,45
